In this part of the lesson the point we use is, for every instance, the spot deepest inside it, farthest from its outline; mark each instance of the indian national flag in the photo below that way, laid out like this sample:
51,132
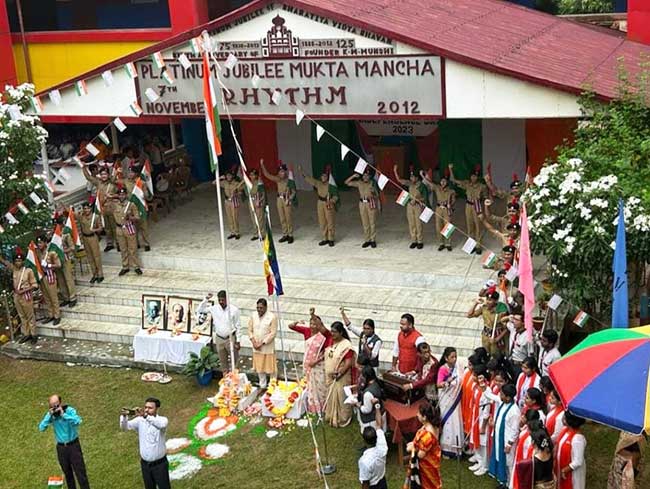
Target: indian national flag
195,45
292,186
448,230
104,137
167,76
97,212
136,109
145,174
334,191
56,245
581,319
55,481
32,262
137,198
489,259
212,123
271,268
130,70
81,88
37,105
158,60
403,198
71,228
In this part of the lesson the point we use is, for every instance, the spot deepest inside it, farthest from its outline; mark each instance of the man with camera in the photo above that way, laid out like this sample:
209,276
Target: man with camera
151,430
65,422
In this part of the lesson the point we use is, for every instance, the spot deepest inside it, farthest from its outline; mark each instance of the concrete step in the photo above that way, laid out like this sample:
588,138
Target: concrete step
103,300
82,329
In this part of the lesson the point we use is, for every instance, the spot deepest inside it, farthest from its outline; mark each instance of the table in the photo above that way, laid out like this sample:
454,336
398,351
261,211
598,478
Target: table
402,420
161,346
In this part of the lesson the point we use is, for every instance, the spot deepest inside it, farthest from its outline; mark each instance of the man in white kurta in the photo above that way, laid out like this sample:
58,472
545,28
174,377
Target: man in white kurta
506,432
262,328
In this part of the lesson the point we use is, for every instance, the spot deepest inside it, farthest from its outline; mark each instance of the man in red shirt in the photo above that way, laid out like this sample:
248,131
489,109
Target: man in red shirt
405,352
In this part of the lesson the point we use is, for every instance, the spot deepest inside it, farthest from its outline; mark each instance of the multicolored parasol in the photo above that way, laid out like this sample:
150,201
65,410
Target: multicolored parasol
606,378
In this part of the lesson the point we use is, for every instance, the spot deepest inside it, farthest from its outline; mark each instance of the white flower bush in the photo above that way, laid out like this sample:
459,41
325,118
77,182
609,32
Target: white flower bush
573,223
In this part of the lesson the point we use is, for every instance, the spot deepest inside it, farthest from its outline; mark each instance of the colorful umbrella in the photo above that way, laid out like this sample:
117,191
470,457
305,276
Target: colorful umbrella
606,378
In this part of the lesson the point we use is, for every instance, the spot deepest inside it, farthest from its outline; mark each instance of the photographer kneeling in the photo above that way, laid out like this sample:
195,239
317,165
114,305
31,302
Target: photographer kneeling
66,423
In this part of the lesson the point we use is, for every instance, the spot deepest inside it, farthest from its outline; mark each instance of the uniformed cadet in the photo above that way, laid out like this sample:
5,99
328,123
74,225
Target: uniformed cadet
126,215
258,195
508,238
444,198
24,285
232,196
65,274
368,205
493,335
142,226
106,188
50,263
501,222
287,199
415,205
327,206
89,226
475,192
516,189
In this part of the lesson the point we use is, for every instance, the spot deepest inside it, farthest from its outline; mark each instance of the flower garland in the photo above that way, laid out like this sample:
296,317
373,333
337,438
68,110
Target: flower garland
294,390
231,390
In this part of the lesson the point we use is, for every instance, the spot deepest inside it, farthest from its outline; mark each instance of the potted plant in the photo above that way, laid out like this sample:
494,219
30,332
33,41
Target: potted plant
201,365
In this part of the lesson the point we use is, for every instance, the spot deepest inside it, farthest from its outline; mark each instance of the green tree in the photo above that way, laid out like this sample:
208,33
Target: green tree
572,205
565,7
21,136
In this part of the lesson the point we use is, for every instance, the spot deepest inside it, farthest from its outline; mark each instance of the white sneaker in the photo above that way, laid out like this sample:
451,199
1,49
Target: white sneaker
473,458
481,471
475,467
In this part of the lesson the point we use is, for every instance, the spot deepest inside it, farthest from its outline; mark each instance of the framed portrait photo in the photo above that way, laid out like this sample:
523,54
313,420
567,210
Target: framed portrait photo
153,311
178,314
201,321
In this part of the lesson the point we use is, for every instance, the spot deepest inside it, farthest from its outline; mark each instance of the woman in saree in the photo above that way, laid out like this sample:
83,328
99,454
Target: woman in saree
425,449
317,339
449,398
339,361
627,458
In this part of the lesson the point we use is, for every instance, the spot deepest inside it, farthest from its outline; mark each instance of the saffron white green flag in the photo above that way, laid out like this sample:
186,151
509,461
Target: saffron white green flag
145,174
137,198
212,122
81,88
130,70
489,259
71,228
104,137
31,261
448,230
56,245
581,319
55,481
403,198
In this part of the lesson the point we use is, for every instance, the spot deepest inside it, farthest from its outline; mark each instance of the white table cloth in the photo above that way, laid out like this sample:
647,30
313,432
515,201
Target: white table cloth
163,347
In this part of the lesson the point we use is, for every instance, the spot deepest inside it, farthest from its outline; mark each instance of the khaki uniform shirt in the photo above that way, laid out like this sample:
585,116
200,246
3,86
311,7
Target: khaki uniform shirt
263,329
68,246
230,188
103,189
50,257
414,190
474,191
444,196
323,189
86,221
366,189
27,279
256,193
120,216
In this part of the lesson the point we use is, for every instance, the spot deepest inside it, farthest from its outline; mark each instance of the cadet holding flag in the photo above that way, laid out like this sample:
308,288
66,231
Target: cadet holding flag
65,274
474,191
368,204
24,285
287,199
417,194
232,189
444,199
328,204
126,215
90,225
50,263
258,196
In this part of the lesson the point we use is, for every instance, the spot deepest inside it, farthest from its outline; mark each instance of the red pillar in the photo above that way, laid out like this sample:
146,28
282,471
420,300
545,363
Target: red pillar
8,65
186,14
638,21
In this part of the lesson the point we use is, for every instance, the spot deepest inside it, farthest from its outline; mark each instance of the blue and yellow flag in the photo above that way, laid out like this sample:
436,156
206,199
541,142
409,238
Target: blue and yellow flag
271,268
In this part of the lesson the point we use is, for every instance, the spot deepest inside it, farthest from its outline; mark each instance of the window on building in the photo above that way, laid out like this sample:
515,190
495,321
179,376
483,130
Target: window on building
73,15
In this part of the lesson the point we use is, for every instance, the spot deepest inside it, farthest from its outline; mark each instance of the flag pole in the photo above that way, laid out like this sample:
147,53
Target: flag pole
223,247
276,302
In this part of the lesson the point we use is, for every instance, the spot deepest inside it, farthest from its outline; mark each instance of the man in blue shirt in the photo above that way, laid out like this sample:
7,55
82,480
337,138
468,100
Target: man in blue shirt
66,421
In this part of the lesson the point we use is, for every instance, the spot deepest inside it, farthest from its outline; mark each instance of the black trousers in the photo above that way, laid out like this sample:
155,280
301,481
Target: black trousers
156,474
380,485
72,463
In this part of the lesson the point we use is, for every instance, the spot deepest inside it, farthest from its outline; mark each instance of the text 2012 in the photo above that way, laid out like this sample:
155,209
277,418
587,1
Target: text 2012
394,107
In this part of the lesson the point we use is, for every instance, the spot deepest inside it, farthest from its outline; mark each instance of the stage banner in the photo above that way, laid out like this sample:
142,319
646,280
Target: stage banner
381,87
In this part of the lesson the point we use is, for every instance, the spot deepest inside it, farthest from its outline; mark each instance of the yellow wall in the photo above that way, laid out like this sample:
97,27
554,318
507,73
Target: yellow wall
53,63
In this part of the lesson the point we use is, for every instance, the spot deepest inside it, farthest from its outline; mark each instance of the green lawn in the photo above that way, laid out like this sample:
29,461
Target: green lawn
28,456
